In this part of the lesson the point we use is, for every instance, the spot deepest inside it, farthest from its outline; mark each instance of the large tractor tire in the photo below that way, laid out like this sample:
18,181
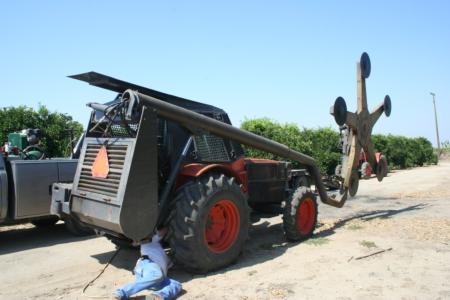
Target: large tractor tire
300,215
209,225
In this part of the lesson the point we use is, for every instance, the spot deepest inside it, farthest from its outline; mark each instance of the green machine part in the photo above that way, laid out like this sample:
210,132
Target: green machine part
18,139
33,155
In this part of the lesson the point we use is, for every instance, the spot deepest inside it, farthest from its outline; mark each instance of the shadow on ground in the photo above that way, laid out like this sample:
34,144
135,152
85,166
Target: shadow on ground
22,239
370,215
266,242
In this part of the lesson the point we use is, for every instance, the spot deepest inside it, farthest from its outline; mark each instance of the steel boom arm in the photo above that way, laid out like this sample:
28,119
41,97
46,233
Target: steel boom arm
192,119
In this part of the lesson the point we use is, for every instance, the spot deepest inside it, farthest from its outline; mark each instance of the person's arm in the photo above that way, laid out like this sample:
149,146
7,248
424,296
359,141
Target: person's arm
159,235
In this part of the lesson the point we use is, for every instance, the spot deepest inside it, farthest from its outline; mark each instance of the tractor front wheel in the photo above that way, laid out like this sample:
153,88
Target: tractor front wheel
210,222
300,215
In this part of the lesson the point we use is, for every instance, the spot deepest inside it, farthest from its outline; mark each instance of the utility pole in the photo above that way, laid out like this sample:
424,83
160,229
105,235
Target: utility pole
436,121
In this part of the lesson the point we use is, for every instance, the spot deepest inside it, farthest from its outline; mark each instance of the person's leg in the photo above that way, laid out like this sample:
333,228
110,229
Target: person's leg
168,289
147,275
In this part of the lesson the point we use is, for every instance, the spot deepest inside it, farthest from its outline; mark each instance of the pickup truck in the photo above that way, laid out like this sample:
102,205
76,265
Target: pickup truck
26,190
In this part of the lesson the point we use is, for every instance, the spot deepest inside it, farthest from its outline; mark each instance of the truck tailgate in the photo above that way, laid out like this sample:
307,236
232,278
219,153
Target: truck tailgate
32,181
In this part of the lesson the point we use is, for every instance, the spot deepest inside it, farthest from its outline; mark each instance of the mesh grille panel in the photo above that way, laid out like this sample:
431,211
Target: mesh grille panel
120,131
211,148
109,185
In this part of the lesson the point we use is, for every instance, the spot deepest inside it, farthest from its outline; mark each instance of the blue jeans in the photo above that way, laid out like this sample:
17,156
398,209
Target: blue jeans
149,276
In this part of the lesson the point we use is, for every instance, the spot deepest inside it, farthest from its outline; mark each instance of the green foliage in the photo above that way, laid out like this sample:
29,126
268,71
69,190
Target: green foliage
403,152
287,134
322,145
319,143
445,146
55,138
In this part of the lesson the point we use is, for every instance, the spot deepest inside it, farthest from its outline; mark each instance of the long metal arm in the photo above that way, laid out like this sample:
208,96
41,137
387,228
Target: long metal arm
192,119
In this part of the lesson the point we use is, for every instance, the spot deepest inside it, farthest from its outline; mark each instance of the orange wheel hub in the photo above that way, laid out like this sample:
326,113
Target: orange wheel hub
305,216
222,226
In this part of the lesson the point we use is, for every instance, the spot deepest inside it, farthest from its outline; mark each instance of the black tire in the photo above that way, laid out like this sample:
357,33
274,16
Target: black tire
354,184
387,105
191,223
382,168
77,229
365,65
43,223
340,111
297,225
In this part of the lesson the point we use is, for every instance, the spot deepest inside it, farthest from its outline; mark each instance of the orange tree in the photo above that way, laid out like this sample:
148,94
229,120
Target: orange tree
322,144
55,127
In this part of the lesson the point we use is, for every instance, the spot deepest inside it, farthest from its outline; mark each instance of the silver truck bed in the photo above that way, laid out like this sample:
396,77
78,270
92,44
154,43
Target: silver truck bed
32,183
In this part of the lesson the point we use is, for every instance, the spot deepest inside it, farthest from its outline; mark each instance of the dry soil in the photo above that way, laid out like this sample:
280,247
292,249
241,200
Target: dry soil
408,215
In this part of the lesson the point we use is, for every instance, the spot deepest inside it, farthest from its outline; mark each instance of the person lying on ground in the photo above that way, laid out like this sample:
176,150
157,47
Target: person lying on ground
151,273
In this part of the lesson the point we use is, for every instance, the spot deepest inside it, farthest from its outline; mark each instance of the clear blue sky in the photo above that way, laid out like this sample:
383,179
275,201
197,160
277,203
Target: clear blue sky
287,60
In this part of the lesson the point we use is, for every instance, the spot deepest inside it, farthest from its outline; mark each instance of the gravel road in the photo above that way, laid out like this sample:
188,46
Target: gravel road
407,216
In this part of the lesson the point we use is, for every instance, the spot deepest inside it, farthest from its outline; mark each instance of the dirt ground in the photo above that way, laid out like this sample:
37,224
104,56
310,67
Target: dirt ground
408,215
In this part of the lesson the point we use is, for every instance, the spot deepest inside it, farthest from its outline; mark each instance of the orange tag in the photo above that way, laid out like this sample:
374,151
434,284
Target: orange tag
100,167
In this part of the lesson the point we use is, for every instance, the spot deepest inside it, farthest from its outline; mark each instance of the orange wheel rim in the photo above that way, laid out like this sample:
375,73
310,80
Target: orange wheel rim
305,216
222,226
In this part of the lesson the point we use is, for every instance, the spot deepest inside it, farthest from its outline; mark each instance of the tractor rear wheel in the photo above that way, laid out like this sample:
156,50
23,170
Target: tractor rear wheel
300,215
210,222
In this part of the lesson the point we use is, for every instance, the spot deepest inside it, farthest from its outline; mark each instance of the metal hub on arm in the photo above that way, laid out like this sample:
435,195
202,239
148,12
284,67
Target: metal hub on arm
358,130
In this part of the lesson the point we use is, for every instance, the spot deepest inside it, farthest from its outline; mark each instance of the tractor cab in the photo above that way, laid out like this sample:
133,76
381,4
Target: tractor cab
133,162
